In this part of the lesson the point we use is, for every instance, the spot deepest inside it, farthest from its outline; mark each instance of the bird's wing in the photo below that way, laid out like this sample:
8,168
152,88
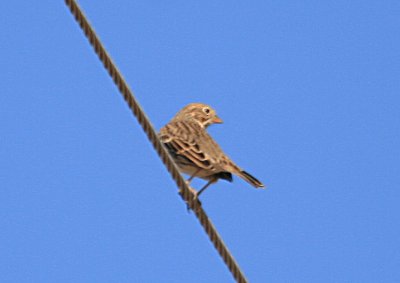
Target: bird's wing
182,140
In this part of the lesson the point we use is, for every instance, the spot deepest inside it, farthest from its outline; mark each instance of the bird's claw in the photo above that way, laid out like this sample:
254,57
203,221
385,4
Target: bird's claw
195,198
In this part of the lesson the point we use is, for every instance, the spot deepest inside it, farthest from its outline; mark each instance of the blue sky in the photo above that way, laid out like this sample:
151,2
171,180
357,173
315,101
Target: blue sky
308,90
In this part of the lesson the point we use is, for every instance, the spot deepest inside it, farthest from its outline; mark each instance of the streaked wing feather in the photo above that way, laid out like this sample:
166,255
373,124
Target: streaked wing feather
188,150
183,138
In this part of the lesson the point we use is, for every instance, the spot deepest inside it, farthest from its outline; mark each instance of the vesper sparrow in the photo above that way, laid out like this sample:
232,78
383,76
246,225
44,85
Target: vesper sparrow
195,152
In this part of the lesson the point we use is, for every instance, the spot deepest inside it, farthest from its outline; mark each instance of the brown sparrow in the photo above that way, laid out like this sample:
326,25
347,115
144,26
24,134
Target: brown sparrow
195,152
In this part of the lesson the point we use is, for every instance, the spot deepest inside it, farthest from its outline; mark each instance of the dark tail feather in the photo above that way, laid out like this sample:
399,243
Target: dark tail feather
251,180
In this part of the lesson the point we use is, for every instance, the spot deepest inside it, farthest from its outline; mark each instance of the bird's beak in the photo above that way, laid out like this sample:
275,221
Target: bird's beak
217,120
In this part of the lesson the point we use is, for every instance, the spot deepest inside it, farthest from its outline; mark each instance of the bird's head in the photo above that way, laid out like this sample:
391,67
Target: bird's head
199,112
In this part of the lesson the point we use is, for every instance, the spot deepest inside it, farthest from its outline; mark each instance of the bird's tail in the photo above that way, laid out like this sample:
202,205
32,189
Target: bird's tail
250,179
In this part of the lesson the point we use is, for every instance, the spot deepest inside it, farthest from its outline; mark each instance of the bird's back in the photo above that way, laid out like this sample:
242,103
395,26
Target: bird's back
193,141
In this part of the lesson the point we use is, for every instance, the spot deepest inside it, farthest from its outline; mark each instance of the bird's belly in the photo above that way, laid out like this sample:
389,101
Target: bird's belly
202,173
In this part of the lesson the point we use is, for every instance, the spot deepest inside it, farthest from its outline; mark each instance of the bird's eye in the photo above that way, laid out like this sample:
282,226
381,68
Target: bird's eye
206,110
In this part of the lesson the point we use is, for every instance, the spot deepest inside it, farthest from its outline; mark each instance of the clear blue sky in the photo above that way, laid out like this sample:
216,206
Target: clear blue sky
309,92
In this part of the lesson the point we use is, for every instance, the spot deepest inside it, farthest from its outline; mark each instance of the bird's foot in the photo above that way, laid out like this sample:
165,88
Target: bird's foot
195,198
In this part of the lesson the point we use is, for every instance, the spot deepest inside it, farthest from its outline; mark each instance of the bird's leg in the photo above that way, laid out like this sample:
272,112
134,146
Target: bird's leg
190,180
191,177
206,186
194,192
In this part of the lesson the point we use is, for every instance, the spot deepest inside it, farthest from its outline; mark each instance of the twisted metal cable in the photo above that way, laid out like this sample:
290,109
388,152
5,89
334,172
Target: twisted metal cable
184,191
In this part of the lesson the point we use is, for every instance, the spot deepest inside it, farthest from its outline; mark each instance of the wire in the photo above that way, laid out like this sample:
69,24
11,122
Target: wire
184,191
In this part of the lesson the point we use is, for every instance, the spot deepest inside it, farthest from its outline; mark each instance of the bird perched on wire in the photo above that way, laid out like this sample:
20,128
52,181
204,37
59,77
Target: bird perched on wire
195,152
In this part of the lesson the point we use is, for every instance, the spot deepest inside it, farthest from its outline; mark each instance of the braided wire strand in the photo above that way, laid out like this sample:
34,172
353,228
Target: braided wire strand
184,191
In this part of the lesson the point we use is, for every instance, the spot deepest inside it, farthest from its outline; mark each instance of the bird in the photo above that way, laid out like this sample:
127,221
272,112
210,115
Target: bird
195,152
